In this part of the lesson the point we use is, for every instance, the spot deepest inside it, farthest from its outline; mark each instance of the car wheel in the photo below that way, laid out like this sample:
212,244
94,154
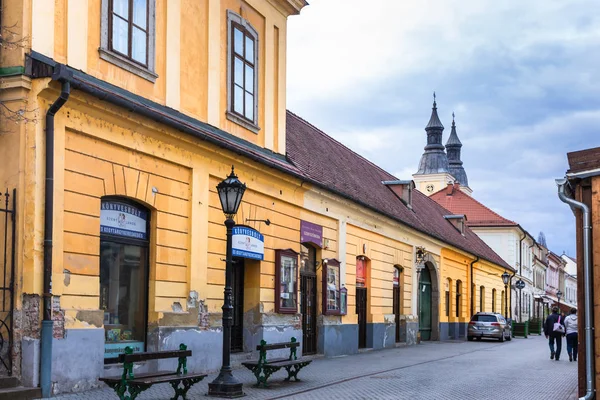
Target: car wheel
470,338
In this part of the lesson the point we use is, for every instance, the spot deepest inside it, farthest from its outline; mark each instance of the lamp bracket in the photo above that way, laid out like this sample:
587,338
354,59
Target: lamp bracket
266,221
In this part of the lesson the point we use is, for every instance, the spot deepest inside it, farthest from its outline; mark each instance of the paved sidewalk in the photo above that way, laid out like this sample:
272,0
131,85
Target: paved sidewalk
520,369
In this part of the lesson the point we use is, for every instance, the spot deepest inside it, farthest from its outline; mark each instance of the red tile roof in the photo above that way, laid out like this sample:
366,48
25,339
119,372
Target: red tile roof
584,160
458,202
338,169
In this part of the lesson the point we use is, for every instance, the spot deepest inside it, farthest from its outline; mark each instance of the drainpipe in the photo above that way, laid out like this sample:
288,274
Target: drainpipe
472,294
60,74
587,273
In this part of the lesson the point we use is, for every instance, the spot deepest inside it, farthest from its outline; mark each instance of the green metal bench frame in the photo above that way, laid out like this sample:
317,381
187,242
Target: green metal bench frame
128,388
263,368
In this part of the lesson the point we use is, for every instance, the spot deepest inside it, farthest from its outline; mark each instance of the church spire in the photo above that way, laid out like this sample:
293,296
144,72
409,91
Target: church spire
434,160
455,165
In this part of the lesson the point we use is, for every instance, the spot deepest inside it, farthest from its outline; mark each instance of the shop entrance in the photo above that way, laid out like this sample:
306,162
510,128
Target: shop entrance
361,310
308,298
237,286
123,275
425,304
397,302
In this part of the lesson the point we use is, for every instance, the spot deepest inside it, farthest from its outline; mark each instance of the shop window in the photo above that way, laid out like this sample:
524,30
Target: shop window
123,275
286,278
308,260
242,72
128,32
334,296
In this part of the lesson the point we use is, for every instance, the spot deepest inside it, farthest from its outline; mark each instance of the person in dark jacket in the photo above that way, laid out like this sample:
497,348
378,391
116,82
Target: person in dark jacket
552,335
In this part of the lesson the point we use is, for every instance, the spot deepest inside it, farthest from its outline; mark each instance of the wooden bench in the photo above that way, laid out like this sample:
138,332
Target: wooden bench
264,368
128,386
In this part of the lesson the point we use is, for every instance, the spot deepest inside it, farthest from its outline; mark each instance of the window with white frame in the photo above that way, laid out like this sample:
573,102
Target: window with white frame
128,35
242,72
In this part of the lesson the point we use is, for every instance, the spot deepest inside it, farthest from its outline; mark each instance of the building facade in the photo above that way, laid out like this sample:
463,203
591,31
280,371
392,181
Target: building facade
144,106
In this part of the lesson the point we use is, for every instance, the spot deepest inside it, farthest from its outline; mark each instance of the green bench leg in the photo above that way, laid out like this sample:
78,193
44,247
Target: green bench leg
187,384
293,370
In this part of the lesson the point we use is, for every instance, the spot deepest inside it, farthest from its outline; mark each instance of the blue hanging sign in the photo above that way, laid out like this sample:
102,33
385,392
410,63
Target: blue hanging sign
122,219
247,243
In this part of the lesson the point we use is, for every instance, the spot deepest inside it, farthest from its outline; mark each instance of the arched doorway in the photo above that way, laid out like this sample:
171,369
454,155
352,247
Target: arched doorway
361,300
429,299
397,301
425,308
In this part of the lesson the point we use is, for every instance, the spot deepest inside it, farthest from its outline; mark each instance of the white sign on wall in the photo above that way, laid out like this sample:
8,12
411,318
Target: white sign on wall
247,243
123,219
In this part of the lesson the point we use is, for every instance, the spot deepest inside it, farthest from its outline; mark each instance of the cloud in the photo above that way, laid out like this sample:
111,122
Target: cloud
521,77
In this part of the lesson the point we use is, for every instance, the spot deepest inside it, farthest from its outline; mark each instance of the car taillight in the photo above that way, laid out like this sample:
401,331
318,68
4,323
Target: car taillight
472,323
495,324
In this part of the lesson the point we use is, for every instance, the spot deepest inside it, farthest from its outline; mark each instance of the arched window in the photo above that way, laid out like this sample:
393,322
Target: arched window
481,298
458,298
124,238
448,305
503,305
493,300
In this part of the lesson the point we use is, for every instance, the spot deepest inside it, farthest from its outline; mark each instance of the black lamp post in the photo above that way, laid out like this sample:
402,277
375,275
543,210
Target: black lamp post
505,279
558,296
230,192
420,260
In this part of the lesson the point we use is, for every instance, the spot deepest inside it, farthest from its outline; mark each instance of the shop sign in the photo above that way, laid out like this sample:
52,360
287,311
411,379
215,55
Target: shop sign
247,243
360,272
114,349
123,219
312,233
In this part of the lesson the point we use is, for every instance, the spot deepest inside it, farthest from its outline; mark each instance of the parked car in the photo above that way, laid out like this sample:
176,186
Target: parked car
488,325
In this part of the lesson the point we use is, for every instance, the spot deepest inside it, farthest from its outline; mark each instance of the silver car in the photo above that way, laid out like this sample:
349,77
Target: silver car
488,325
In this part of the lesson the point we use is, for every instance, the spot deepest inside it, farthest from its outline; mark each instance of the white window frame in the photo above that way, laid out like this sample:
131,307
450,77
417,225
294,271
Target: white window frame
112,57
235,18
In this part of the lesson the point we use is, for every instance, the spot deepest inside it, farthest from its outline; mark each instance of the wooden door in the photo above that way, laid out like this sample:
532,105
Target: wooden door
425,304
397,311
361,310
237,327
308,308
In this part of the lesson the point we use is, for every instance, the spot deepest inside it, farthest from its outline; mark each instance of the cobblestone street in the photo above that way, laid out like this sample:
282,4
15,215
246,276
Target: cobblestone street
520,369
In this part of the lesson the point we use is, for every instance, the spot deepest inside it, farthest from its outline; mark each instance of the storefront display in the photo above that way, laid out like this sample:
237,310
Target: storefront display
286,276
334,296
123,276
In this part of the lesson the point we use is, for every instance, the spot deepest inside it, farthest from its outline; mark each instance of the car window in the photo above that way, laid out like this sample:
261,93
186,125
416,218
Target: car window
484,318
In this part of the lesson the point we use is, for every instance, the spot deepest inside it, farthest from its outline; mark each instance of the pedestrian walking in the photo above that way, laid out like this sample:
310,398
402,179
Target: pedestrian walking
571,332
554,329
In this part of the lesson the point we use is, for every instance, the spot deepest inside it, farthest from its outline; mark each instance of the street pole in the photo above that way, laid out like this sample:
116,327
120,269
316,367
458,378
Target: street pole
520,303
505,301
226,385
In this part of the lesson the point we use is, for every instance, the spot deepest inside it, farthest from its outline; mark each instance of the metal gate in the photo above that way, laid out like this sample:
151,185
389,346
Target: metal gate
308,308
7,279
361,310
396,310
237,326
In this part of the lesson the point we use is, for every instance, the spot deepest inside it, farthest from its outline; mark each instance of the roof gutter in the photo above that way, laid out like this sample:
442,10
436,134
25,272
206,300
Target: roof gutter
587,284
168,117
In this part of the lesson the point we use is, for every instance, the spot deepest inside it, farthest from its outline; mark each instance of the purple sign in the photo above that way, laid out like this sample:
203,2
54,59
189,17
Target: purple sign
310,232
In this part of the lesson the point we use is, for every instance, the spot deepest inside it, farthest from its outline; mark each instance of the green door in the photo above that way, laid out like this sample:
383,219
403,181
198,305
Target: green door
425,304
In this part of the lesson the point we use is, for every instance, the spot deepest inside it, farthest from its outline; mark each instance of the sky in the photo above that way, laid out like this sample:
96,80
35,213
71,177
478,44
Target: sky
521,76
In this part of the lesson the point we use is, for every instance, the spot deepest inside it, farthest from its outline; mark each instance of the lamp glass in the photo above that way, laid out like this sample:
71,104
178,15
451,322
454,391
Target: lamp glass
230,192
505,278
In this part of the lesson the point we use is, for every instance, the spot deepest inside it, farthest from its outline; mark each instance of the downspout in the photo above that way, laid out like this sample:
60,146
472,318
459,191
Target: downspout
60,74
587,285
472,294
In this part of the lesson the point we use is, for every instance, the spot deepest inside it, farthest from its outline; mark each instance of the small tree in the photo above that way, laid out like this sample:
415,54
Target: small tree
542,239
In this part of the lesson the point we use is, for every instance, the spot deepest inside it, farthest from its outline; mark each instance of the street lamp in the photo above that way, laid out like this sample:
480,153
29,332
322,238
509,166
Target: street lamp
505,280
420,254
520,284
231,191
558,296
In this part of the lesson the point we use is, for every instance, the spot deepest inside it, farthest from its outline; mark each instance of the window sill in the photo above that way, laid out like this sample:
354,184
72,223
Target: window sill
242,122
127,65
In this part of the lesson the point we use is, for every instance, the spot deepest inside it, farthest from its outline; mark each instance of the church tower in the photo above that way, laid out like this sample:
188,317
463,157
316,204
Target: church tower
455,165
433,173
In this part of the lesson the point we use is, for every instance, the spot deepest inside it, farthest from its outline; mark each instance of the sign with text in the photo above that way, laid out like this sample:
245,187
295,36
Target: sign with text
123,219
114,349
312,233
247,243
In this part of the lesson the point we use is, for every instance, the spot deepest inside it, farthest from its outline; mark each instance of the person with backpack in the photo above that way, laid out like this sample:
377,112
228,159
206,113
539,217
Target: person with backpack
554,329
571,332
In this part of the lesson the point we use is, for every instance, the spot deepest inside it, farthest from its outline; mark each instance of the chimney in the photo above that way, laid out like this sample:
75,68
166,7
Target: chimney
458,221
403,190
449,188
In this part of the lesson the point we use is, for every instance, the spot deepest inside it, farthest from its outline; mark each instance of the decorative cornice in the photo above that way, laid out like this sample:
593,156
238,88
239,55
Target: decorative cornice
289,7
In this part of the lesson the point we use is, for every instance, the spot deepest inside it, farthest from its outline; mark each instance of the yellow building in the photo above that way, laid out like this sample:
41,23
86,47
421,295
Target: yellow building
139,109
